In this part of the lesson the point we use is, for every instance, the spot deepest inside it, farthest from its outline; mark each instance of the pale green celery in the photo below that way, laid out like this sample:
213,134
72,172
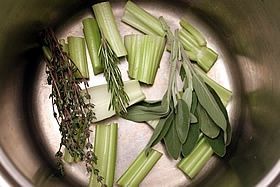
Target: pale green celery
195,161
139,169
47,53
108,27
153,123
93,41
67,156
190,40
105,148
222,92
77,52
194,32
101,98
144,56
204,56
142,20
64,45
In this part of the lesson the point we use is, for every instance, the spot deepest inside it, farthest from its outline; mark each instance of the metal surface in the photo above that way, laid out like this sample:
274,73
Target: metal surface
244,33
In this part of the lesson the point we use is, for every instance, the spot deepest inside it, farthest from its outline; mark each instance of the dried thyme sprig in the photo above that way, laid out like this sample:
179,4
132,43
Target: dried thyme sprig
71,106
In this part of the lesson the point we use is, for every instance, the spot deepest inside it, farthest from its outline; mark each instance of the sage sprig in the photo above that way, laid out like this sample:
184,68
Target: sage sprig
184,112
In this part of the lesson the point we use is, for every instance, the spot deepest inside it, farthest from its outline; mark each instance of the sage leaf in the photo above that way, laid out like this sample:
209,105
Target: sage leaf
161,130
218,145
187,96
194,102
208,102
182,119
207,125
164,131
191,140
137,115
172,142
193,118
228,134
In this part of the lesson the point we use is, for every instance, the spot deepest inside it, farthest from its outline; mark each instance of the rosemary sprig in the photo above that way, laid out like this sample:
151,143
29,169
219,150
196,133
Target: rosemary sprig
109,60
71,107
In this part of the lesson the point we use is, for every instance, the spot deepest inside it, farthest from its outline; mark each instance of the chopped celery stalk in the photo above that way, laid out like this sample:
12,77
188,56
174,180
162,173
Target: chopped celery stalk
139,169
93,41
67,157
77,52
47,53
64,45
193,31
190,40
144,55
105,148
195,161
222,92
153,123
107,24
142,20
101,98
206,58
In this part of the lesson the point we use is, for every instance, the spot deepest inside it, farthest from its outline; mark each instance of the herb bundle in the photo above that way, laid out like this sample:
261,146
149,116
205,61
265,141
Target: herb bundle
71,107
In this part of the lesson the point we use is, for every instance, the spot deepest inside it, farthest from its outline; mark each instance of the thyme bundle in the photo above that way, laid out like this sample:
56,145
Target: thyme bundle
72,108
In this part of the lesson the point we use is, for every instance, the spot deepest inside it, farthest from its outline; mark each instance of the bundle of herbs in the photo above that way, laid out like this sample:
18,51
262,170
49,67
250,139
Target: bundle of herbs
71,107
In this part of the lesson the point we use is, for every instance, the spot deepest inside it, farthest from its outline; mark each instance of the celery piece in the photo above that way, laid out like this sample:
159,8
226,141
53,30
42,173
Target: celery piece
108,27
67,157
222,92
194,162
101,98
190,40
77,52
193,31
64,45
206,58
139,169
93,41
140,19
105,148
144,55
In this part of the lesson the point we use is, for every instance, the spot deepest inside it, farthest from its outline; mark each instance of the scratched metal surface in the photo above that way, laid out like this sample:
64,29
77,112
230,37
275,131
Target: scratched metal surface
132,136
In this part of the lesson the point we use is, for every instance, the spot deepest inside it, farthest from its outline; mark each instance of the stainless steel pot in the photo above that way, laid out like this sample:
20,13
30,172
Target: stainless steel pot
245,32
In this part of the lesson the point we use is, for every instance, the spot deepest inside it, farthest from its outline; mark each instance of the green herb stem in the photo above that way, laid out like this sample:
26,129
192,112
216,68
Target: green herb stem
77,52
107,24
144,55
139,169
93,41
105,148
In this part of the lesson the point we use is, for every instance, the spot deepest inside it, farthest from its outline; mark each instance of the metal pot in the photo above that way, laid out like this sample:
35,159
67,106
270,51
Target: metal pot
245,32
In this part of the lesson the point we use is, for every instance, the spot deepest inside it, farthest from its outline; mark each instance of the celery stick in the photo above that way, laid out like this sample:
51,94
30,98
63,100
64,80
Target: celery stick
144,55
105,148
193,31
93,41
139,169
107,24
206,58
223,93
64,45
142,20
77,52
183,34
67,156
192,164
101,98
